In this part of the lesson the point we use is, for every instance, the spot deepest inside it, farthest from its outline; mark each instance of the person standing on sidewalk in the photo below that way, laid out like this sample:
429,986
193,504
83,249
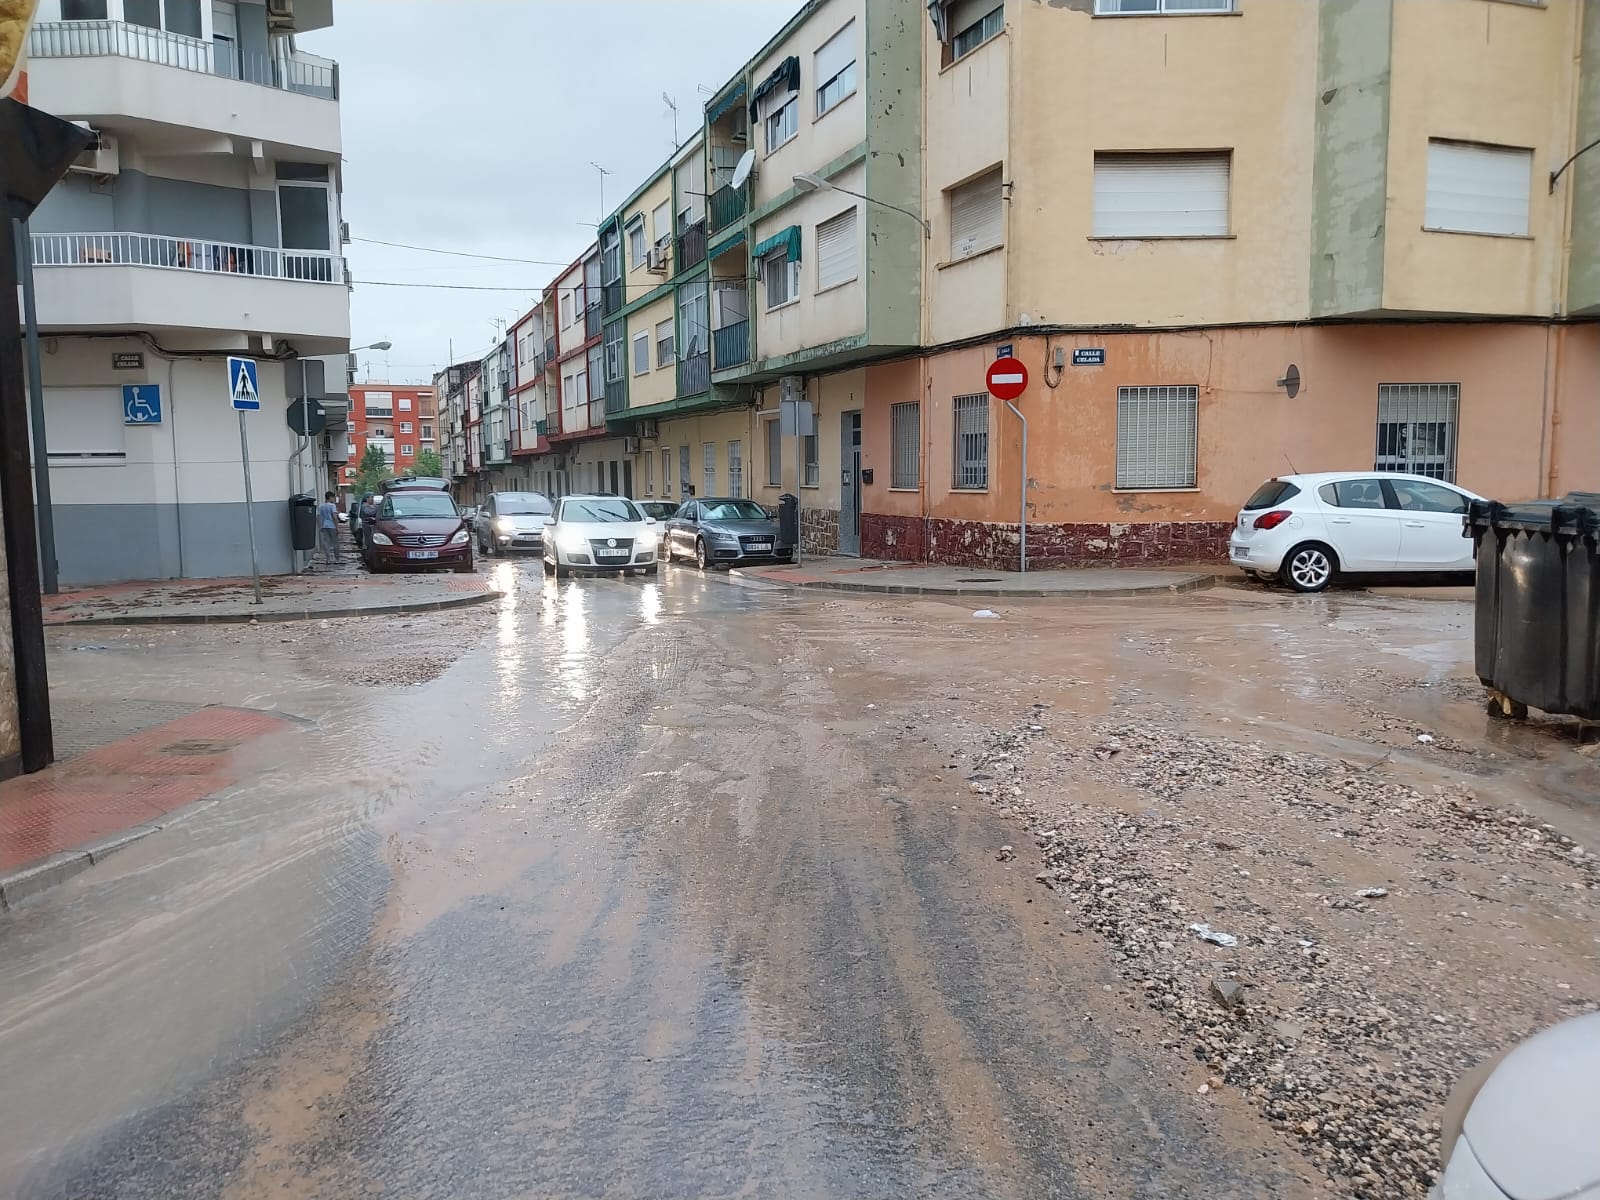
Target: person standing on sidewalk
328,530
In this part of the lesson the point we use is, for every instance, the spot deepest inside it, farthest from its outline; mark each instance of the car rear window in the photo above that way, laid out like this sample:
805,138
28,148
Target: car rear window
1272,493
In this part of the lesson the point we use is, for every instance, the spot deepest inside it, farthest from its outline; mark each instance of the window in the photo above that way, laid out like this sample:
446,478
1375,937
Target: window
580,388
1129,8
971,424
649,474
837,252
407,450
708,483
379,404
1416,496
774,453
1161,195
693,316
661,220
974,22
616,360
975,216
1354,493
427,432
1417,428
782,277
1478,189
83,10
836,69
566,309
638,243
783,119
1156,445
736,468
905,445
664,343
808,449
405,426
666,471
175,16
405,403
641,352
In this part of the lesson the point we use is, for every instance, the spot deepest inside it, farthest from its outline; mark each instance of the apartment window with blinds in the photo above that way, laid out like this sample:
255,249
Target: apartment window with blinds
649,474
1478,189
971,422
1156,442
566,309
782,279
638,243
1161,195
976,222
905,445
1417,428
782,119
708,482
615,360
664,343
808,450
736,468
641,352
836,69
1134,8
666,472
838,255
973,23
774,453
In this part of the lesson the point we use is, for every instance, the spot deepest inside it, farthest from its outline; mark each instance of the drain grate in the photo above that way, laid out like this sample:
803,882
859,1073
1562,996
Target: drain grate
981,579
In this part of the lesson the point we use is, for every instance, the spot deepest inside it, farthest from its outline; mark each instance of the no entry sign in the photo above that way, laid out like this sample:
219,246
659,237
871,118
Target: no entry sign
1007,378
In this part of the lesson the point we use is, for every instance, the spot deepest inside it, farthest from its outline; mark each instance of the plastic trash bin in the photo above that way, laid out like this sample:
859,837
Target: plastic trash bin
303,522
789,519
1537,630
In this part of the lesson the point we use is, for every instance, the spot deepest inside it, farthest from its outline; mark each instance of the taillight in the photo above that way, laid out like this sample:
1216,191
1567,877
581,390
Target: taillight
1273,519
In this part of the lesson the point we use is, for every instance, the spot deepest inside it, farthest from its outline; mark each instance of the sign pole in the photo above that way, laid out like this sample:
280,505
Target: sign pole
249,508
1023,525
41,460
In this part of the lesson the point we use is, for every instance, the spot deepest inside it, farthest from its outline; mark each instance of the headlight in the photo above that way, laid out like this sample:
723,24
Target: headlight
504,525
381,539
460,538
722,535
648,537
574,543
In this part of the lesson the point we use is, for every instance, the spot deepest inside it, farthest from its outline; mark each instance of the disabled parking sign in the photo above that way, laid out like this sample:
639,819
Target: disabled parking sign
243,389
141,404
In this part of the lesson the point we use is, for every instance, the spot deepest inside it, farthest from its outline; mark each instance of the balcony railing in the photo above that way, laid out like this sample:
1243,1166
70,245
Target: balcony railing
731,345
597,412
694,375
591,321
727,206
306,74
616,398
541,428
692,246
185,254
549,352
611,297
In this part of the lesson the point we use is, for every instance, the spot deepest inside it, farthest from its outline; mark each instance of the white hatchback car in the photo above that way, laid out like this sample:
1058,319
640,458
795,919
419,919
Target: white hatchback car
1308,529
599,533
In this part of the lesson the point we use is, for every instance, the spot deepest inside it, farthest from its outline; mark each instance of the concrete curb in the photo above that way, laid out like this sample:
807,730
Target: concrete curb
1198,583
238,618
24,882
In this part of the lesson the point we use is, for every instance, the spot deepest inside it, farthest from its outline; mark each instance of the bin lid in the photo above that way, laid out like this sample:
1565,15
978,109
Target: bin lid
1575,514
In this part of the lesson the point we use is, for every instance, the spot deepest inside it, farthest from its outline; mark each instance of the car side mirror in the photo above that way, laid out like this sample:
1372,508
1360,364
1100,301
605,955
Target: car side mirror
549,522
649,520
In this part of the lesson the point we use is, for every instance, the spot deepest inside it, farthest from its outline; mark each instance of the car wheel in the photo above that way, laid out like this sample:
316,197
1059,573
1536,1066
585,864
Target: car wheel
466,567
547,566
653,569
666,550
1309,567
702,555
562,571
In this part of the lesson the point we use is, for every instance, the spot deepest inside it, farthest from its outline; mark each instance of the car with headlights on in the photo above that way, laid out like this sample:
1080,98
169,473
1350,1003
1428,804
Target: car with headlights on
418,529
512,521
599,533
724,532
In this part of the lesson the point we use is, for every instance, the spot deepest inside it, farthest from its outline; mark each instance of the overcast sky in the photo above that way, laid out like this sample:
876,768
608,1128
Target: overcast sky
477,133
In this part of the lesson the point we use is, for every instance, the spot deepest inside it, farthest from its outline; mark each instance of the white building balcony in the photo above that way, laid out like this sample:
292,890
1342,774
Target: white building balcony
90,281
182,91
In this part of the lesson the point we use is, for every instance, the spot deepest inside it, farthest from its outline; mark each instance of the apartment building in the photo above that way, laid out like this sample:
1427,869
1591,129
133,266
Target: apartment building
205,222
399,419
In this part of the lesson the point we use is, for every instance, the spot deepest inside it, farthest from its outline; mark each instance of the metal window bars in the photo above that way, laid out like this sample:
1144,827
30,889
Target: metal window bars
1156,437
905,452
1417,424
971,424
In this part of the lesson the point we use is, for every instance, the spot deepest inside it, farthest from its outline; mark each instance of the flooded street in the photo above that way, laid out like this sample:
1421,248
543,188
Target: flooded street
687,887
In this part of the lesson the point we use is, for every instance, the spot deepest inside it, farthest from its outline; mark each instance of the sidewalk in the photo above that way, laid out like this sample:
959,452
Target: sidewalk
70,816
920,579
346,590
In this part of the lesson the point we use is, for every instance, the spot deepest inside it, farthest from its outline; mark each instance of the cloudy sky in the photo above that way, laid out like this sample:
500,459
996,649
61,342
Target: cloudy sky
478,134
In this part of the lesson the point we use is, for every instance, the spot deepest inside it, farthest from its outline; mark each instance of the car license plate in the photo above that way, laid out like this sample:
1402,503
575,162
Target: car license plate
609,553
422,554
1241,551
760,546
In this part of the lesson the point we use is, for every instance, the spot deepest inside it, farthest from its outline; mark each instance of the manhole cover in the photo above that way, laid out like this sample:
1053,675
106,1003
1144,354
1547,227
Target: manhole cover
196,748
981,579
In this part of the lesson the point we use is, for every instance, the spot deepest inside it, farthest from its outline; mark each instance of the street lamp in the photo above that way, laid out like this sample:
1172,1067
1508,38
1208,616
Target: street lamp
808,182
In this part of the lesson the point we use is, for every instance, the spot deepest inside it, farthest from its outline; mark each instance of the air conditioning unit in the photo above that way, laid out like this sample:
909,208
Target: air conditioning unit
280,13
337,449
630,445
649,428
659,256
344,232
101,158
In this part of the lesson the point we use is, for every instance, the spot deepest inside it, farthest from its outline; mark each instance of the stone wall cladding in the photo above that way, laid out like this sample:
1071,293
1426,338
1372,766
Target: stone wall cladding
984,544
819,530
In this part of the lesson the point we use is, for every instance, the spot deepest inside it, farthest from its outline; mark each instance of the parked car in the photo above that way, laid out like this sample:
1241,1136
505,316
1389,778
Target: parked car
418,528
512,521
724,532
407,482
1308,530
599,533
661,510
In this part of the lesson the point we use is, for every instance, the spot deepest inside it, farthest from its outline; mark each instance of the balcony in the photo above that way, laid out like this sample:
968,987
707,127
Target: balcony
550,352
730,345
616,397
611,298
597,412
694,375
727,205
592,317
692,246
111,69
140,280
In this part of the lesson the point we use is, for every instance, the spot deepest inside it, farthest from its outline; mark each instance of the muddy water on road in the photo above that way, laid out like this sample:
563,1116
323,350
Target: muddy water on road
671,889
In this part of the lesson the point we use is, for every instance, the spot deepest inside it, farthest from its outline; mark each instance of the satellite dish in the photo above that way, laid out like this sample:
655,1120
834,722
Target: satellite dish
742,172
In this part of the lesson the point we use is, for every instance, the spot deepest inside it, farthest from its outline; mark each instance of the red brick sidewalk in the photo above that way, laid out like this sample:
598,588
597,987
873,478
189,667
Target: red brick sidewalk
123,785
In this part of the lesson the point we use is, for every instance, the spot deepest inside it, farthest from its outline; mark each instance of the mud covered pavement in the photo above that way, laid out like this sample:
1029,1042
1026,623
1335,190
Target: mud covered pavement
693,889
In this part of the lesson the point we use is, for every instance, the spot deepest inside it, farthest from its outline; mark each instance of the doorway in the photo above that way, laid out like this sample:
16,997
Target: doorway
850,483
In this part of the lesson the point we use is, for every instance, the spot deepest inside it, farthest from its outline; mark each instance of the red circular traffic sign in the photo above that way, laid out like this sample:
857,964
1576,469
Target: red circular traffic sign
1007,378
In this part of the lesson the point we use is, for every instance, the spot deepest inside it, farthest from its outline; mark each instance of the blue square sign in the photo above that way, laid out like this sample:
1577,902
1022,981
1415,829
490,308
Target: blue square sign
141,404
244,391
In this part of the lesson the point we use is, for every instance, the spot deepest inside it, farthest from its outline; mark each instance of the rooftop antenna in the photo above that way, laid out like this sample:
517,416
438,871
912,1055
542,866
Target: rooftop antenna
672,107
603,174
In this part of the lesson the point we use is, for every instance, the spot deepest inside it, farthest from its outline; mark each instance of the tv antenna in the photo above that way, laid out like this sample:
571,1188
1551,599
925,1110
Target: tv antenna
603,174
672,107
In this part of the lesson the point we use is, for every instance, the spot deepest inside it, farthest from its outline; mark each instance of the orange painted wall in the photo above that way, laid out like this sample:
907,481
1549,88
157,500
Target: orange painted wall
1577,418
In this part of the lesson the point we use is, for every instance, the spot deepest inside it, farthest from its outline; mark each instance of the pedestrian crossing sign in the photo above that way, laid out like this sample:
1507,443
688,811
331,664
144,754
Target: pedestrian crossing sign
243,389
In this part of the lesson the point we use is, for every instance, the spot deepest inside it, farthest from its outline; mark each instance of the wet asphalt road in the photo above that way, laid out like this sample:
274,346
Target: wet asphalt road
636,900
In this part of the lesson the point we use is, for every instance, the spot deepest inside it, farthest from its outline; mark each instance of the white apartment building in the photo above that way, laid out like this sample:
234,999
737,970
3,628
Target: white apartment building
206,222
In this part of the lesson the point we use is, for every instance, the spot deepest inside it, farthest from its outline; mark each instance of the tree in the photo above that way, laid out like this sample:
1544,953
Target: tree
372,470
428,465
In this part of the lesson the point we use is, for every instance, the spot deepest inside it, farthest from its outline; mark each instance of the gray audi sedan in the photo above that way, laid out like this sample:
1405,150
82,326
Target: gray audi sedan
724,532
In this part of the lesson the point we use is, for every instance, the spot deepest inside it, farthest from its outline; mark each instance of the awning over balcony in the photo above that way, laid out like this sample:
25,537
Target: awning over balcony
787,240
719,108
786,76
724,246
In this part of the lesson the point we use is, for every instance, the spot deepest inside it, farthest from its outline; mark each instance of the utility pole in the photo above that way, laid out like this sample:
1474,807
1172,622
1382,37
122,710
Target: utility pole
48,565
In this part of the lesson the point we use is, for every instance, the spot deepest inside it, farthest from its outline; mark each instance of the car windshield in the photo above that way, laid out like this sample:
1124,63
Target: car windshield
731,510
510,504
657,509
416,481
600,511
1271,493
421,504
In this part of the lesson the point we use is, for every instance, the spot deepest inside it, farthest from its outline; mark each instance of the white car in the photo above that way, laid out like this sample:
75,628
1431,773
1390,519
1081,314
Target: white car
599,533
1309,529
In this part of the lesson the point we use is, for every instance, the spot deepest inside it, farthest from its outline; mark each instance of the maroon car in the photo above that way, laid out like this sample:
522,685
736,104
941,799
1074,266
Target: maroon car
417,528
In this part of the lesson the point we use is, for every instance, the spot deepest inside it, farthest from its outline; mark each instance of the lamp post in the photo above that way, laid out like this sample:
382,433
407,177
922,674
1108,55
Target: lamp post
808,182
